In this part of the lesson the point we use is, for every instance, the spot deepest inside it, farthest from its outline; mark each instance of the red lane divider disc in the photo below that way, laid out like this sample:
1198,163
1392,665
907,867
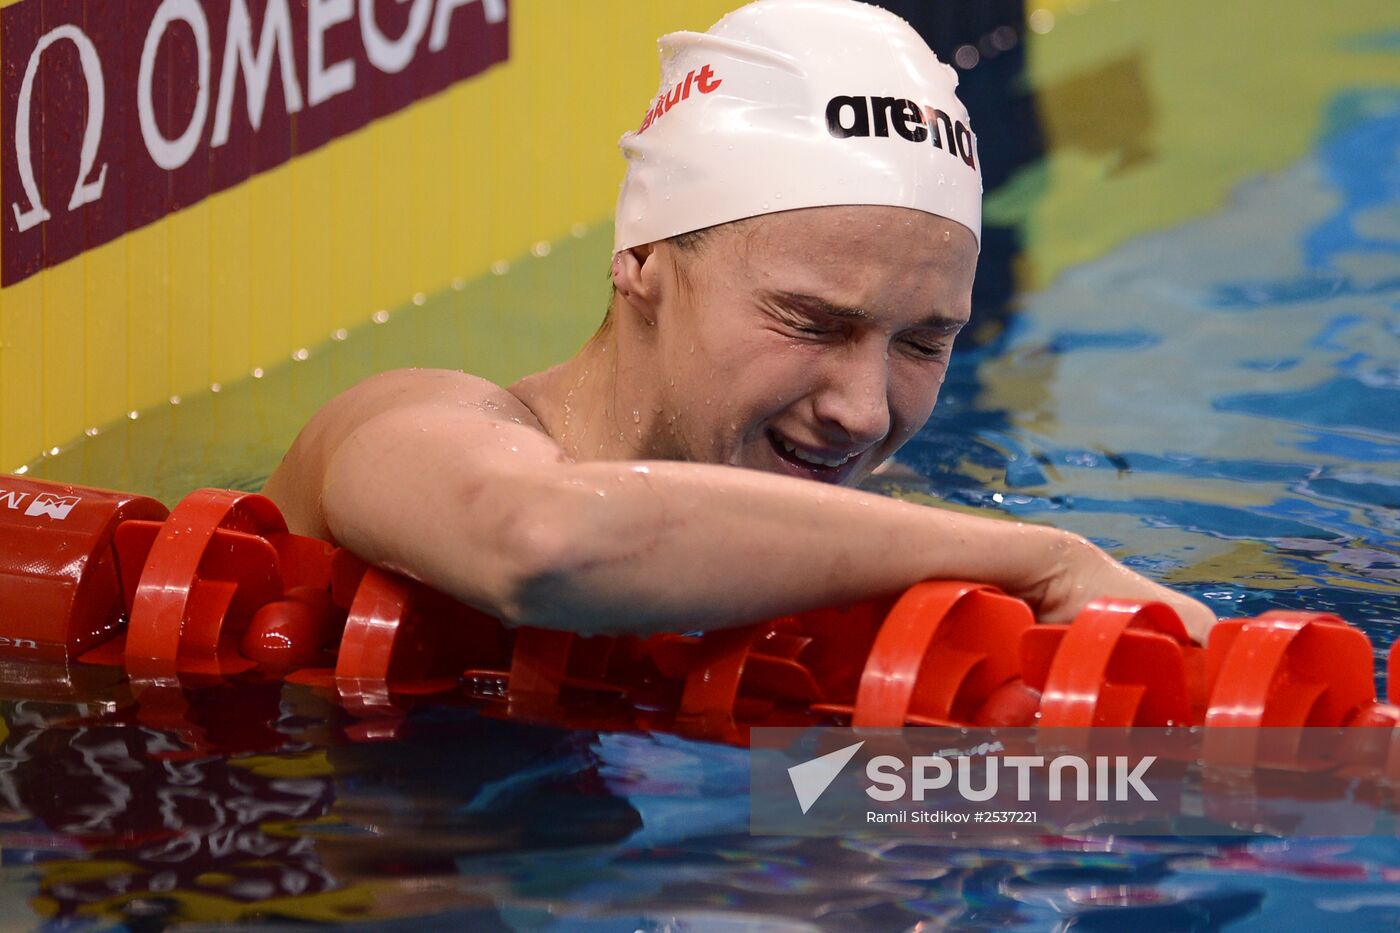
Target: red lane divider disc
712,687
1119,663
293,632
211,532
1392,674
401,637
133,542
221,586
347,571
943,650
382,606
1015,703
382,601
1288,669
1275,675
841,639
732,676
60,574
305,562
538,664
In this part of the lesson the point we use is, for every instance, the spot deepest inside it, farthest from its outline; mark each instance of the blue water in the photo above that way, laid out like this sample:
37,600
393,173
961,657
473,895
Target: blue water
1217,404
1223,407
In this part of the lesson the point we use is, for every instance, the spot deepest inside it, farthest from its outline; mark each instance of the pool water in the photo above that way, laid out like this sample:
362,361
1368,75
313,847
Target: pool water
1219,408
1215,400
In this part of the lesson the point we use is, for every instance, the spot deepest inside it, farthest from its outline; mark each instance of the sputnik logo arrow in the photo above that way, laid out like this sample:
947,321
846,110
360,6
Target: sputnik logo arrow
811,778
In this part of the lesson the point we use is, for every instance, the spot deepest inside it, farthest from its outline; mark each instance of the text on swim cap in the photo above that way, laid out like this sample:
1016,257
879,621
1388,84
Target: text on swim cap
700,80
876,115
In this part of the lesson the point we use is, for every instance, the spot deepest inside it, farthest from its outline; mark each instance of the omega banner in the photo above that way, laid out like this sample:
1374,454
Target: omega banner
118,112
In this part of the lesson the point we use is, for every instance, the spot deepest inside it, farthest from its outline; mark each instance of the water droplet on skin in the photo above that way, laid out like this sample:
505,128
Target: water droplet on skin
636,416
947,235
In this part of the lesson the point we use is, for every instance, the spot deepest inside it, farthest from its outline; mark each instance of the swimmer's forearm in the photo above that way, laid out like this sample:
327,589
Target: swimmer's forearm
664,546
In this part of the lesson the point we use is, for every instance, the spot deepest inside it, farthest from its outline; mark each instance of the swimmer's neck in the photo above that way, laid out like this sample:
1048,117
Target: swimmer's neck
604,403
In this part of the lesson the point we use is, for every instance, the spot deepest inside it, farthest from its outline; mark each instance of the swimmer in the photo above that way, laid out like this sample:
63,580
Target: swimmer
796,241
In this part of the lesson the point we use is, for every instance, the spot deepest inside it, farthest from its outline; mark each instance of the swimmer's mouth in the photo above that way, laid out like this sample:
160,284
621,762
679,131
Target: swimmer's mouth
802,462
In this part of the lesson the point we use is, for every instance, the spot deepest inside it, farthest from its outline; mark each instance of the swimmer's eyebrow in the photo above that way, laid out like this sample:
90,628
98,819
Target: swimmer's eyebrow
811,304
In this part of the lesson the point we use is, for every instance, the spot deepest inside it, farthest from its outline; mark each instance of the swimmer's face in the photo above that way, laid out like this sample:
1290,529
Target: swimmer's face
813,342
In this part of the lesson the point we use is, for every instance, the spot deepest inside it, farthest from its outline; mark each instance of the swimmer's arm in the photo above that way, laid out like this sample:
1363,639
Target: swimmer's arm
663,546
443,477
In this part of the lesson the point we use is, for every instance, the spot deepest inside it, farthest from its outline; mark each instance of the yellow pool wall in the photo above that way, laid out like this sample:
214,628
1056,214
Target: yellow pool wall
248,276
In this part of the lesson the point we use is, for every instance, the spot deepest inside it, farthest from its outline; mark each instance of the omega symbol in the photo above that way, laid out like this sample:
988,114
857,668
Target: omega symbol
84,192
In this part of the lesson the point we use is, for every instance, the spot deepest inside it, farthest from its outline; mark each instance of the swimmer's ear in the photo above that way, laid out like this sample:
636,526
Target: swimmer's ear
634,276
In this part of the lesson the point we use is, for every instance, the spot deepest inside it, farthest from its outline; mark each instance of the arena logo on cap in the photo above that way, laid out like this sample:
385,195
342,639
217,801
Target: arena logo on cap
876,116
702,80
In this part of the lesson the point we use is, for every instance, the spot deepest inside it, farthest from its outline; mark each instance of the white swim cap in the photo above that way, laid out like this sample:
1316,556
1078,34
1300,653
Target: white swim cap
786,104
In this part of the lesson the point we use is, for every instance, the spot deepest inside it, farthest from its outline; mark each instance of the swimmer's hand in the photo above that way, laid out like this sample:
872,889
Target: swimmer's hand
1076,572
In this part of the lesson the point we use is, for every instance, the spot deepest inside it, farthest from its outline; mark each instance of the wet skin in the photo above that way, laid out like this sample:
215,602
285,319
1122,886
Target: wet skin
809,343
598,496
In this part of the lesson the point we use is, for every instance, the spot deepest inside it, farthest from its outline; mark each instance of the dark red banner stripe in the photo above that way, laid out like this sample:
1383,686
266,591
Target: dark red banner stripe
391,53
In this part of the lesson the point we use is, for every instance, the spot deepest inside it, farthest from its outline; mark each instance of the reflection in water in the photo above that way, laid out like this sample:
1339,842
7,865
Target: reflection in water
462,816
253,801
162,822
279,815
1103,112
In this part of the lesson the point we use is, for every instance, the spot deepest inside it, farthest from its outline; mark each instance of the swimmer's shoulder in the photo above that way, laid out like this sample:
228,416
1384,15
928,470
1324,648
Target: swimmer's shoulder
402,393
405,388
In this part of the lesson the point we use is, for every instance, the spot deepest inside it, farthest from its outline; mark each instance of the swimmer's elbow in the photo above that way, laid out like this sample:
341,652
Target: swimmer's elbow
540,556
537,547
551,554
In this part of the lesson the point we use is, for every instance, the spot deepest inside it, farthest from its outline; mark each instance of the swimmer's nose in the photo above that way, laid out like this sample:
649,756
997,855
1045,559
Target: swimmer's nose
853,400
